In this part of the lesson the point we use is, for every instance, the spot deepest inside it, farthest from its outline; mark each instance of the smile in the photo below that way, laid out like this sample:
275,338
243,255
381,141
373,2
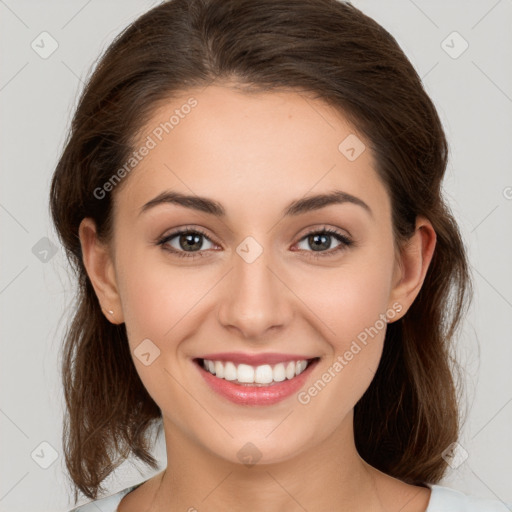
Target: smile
264,384
244,374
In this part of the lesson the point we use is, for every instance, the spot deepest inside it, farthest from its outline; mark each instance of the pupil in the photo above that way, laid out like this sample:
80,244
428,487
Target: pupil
318,245
191,240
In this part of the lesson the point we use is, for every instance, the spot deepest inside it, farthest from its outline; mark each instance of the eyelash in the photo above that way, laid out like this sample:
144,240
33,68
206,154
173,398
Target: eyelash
345,242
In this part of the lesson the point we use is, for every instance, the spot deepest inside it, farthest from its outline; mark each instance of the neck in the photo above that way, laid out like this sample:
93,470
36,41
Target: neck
329,476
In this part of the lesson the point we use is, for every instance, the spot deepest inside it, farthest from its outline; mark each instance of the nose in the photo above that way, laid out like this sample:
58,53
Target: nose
255,298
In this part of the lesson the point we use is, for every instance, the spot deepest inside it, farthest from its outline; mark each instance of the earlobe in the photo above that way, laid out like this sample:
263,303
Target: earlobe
100,269
414,260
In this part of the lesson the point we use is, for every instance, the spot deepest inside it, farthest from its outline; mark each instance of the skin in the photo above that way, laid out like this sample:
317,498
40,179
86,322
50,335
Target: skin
255,154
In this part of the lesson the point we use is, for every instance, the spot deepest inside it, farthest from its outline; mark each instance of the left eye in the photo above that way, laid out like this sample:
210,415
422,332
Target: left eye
320,240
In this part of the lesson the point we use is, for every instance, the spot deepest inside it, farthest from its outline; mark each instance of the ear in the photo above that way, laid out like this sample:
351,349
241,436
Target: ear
100,269
411,265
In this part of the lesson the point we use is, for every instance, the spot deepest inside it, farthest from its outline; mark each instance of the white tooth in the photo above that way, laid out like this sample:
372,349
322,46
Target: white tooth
230,372
245,373
290,370
301,366
263,374
279,372
219,369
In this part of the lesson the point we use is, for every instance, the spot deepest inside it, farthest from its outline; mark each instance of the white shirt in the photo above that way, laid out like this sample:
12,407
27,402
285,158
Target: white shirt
442,499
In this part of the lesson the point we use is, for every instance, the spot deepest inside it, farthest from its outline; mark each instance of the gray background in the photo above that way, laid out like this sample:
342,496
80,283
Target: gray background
473,94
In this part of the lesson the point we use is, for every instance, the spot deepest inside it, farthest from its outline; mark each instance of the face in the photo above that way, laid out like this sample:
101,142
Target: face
257,280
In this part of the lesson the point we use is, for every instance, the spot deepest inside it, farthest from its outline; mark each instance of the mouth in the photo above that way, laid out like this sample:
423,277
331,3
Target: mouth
251,375
265,384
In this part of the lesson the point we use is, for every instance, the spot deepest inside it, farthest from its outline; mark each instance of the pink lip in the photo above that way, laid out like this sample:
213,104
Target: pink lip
256,395
255,359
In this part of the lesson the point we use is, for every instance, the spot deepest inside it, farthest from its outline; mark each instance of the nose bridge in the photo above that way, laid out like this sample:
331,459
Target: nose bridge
255,298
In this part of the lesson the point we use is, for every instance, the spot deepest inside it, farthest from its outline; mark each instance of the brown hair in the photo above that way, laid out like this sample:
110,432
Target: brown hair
409,414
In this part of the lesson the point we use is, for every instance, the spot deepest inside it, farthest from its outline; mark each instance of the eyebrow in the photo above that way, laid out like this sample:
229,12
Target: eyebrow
297,207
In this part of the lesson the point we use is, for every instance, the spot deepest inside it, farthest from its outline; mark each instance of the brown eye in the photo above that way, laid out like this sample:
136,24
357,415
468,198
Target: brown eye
189,243
321,241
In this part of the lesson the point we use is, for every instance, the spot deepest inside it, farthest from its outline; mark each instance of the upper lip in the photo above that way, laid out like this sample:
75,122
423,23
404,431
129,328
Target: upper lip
256,359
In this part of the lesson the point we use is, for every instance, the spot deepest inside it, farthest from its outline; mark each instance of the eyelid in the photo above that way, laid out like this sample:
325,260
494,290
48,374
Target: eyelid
316,228
162,240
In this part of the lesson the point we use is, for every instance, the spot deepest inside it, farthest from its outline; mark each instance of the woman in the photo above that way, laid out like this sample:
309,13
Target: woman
251,198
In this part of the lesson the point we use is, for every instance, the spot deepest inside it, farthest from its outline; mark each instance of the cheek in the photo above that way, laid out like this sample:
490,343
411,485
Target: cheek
355,314
156,295
347,300
157,306
351,304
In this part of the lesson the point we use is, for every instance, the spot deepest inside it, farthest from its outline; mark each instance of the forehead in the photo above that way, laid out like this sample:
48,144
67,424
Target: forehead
224,143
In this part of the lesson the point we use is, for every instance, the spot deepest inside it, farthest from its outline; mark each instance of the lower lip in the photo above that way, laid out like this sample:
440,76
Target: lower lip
256,395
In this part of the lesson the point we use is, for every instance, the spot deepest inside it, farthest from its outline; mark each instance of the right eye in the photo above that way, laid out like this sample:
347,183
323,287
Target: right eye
186,239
